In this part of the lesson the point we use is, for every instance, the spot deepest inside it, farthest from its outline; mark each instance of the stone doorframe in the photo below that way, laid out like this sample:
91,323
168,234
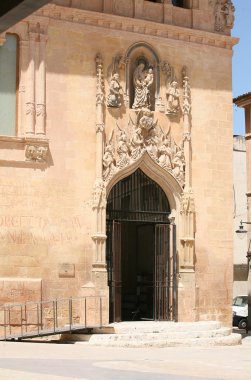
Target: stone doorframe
181,203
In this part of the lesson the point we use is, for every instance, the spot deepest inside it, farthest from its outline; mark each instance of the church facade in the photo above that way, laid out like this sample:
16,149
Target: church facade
116,157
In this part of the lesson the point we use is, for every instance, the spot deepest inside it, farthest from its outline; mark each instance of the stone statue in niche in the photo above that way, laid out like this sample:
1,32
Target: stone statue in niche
114,98
142,80
172,91
172,94
115,95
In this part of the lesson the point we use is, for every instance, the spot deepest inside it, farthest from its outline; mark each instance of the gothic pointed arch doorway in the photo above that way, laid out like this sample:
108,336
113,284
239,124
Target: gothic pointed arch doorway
140,251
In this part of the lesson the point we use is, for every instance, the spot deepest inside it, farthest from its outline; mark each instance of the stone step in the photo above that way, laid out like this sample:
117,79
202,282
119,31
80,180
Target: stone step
158,334
233,339
151,336
156,327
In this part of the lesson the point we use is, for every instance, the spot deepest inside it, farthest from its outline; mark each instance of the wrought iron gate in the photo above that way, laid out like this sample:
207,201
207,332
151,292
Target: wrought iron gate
137,199
165,305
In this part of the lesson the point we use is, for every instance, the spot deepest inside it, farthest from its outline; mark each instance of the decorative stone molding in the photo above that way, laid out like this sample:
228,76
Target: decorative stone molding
99,195
187,230
94,19
143,135
186,110
186,106
36,153
30,109
100,96
41,110
224,14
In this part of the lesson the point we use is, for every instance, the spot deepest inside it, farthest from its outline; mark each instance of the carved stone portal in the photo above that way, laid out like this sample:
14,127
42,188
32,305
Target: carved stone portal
142,135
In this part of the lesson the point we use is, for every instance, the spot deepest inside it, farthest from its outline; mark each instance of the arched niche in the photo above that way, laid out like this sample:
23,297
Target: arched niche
142,53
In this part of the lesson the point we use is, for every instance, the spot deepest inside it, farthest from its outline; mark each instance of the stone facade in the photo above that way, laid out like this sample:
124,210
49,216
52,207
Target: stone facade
106,87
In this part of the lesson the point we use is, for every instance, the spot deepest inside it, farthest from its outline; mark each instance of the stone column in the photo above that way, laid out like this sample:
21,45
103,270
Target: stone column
187,209
187,288
99,196
41,89
30,94
100,98
186,108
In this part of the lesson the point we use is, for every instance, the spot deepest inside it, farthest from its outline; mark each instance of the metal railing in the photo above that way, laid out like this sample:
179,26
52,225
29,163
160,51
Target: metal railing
34,319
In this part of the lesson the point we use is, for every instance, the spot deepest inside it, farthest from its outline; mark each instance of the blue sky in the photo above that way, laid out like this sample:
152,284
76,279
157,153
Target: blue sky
241,58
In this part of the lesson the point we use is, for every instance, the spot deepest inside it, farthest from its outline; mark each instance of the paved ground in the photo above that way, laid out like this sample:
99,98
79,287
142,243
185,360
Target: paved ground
47,361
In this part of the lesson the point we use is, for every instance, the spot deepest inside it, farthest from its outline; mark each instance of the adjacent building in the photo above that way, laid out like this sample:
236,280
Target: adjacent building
240,213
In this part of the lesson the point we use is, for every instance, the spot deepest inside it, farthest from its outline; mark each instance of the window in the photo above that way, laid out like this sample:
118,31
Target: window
8,88
240,301
178,3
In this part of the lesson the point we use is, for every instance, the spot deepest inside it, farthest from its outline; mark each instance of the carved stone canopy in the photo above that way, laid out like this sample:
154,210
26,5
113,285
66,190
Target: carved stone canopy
143,135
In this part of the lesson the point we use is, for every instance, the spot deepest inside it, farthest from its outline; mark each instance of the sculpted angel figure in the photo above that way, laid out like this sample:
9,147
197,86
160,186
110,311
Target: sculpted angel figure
137,144
145,119
114,96
142,80
178,165
123,150
165,153
108,161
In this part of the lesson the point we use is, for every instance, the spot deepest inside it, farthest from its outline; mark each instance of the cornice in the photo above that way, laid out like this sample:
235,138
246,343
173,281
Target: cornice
120,23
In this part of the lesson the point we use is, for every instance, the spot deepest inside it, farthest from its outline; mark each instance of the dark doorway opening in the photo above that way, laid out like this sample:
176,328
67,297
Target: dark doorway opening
137,271
141,252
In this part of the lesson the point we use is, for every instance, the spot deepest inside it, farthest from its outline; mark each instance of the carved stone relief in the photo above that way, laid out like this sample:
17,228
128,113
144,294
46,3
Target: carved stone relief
99,194
36,153
172,91
142,80
224,14
115,96
142,135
